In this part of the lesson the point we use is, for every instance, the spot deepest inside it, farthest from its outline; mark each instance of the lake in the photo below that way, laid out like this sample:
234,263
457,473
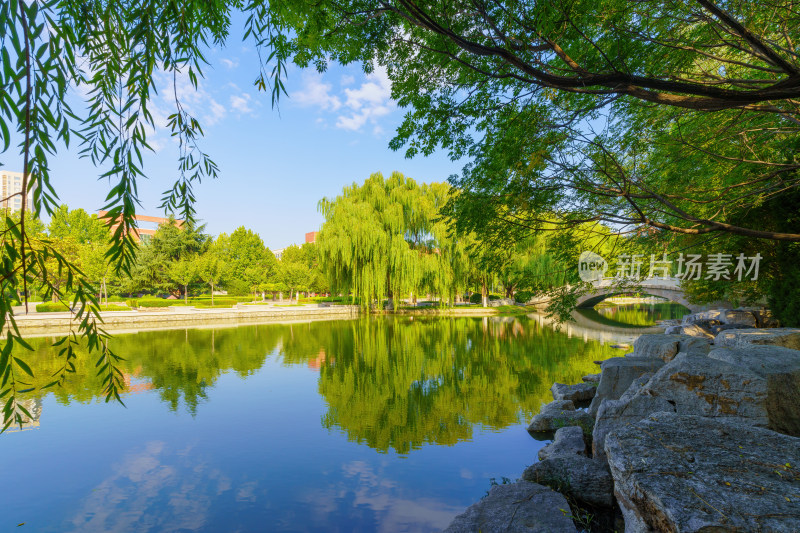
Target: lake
377,424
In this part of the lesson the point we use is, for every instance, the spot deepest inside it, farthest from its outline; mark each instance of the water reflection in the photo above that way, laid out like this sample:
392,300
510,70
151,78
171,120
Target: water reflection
382,424
633,315
395,383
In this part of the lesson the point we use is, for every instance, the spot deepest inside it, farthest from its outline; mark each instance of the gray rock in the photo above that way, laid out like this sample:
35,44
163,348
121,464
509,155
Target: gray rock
629,409
580,478
567,442
502,301
618,374
580,392
725,327
673,330
713,314
559,414
669,322
764,318
700,385
591,378
738,338
518,507
737,316
780,367
666,346
698,329
690,474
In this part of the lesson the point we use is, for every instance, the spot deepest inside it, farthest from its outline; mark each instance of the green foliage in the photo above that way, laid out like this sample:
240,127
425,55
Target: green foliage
476,298
157,303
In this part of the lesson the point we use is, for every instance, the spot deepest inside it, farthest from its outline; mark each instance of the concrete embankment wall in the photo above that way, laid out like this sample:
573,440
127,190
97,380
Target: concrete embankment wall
176,317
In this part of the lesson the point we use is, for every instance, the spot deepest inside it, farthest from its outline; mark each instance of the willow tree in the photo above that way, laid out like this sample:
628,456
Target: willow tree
384,238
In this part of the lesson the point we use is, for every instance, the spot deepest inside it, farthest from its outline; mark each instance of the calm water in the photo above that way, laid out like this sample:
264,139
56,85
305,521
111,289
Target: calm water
393,424
634,315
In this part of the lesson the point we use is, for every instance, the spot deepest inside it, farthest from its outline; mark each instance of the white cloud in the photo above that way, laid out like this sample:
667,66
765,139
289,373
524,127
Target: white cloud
241,103
353,107
367,103
229,63
315,93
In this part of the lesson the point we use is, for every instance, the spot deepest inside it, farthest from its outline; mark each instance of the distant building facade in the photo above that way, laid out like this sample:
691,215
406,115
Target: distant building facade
278,253
143,234
11,191
311,236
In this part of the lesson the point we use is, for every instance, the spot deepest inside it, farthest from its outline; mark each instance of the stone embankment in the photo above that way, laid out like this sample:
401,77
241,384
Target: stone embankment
697,429
179,316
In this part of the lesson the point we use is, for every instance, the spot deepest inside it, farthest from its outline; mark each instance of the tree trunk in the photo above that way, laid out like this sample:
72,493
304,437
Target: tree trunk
484,294
186,294
212,294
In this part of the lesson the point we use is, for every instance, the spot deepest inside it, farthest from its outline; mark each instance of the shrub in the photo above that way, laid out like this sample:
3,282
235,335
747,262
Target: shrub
157,303
476,298
218,302
51,307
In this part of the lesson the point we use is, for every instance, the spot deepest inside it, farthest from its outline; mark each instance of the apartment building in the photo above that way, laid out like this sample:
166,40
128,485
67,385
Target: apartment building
11,191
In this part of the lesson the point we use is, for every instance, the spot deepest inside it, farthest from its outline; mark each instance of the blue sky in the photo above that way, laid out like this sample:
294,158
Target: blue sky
275,165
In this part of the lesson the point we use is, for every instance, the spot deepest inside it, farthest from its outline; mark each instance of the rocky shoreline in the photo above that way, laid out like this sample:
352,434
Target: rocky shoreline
696,430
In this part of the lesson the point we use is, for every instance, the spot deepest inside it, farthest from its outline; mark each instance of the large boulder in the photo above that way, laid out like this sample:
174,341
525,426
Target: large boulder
629,409
666,347
617,375
700,330
690,474
567,442
739,338
713,314
591,378
559,414
780,367
699,385
738,316
518,507
580,392
580,478
715,330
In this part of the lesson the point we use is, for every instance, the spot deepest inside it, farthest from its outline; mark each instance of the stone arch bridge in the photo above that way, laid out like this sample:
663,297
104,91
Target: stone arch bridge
668,288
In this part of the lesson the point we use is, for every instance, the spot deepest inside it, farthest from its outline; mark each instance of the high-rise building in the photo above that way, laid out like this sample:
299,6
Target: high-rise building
11,191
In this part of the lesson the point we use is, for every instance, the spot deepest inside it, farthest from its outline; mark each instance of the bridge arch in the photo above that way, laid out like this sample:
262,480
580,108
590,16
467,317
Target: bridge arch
668,288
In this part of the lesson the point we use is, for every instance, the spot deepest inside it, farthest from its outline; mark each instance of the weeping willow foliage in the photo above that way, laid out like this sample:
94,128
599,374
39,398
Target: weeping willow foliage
387,238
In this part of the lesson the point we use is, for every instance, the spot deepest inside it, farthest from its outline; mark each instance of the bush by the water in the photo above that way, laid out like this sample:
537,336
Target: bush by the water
523,296
476,298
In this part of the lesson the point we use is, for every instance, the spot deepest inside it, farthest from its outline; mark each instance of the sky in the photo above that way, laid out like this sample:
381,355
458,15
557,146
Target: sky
275,164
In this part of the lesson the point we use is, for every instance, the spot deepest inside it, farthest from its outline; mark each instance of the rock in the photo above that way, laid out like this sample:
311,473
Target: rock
786,337
737,316
764,318
591,378
580,392
568,442
698,329
502,301
699,385
621,346
559,414
780,367
713,314
618,374
669,322
725,327
690,474
629,409
665,346
673,330
578,477
518,507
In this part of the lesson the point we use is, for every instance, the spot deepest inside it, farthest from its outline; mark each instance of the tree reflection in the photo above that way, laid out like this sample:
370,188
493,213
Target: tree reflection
391,383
